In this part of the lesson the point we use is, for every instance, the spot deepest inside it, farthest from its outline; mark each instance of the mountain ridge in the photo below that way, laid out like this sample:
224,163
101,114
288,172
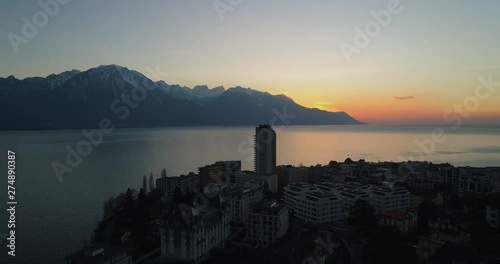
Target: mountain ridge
79,99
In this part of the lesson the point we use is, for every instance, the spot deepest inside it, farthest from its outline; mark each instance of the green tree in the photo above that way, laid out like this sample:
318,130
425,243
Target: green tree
108,208
141,197
151,182
268,195
178,196
388,246
363,216
129,199
426,212
144,184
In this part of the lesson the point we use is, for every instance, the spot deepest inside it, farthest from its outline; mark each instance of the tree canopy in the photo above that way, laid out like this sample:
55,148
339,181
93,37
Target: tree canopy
363,216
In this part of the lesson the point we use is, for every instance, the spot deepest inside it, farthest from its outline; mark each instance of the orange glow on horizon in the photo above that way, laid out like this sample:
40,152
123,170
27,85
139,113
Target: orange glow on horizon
395,111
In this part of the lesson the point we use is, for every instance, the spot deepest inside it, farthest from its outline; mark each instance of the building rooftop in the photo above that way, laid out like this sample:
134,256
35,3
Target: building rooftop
331,184
387,189
354,191
268,205
397,215
354,184
238,189
181,177
205,216
321,194
264,126
301,185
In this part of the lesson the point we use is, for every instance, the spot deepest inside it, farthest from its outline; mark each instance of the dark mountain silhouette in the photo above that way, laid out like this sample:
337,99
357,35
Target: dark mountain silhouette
75,99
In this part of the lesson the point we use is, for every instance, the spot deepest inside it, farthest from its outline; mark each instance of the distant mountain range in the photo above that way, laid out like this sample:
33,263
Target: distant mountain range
75,99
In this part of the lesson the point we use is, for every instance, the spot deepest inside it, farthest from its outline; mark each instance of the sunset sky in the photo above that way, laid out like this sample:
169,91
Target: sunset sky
428,58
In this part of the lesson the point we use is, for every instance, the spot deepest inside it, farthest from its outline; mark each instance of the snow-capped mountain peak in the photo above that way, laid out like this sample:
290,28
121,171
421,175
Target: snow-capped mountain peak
56,80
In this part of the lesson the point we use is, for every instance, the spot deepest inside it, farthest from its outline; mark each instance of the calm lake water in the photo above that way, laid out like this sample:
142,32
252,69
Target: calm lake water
53,217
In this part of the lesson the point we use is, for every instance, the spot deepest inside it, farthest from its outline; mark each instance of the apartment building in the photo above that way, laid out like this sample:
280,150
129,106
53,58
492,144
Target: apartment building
183,182
220,171
307,202
267,222
248,176
193,239
385,199
240,199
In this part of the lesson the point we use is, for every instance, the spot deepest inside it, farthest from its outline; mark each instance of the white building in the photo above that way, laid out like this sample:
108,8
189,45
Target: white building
183,182
357,186
193,237
493,215
389,199
309,203
383,199
493,210
330,187
267,222
240,199
349,193
350,196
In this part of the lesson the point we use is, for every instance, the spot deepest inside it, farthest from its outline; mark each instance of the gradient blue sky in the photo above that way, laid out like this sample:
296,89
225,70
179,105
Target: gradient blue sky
433,50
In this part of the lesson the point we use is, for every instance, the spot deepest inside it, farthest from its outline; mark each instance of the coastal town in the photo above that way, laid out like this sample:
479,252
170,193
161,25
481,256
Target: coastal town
351,211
